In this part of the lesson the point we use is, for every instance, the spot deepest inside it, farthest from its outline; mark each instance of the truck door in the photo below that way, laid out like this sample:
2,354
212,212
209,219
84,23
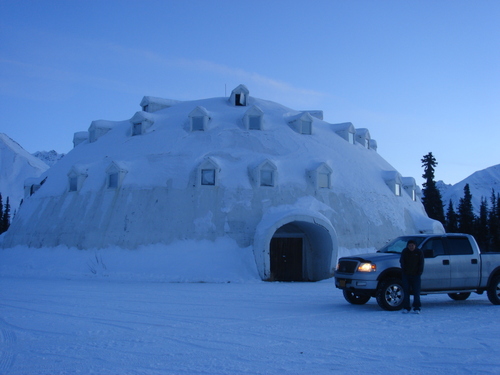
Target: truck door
437,270
465,264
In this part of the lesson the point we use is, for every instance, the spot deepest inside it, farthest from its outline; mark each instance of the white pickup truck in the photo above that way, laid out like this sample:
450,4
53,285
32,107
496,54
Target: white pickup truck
454,265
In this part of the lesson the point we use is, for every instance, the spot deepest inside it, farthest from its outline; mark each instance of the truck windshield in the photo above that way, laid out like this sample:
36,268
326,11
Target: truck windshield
397,245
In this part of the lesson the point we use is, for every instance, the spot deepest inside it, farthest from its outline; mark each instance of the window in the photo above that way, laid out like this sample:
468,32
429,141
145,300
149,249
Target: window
321,176
73,183
76,177
113,180
115,174
306,127
137,129
198,119
254,122
351,138
266,177
397,189
239,99
198,123
459,246
208,176
323,180
433,248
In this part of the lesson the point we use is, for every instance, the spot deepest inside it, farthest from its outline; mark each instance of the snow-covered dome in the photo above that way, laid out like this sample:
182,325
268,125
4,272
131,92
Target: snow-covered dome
290,185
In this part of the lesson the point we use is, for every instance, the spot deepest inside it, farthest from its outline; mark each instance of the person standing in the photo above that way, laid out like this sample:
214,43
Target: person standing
412,265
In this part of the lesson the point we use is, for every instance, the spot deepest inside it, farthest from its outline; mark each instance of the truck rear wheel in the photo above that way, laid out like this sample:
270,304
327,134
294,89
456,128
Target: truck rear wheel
390,295
459,296
356,299
494,290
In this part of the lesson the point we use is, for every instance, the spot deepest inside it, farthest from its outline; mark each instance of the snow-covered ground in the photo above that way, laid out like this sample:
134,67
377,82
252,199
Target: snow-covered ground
67,311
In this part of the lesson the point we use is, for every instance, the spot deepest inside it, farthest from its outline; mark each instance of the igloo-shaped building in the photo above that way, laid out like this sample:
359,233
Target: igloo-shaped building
290,185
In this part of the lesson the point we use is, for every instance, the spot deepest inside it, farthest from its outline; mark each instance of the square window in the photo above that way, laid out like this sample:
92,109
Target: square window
113,181
208,176
266,178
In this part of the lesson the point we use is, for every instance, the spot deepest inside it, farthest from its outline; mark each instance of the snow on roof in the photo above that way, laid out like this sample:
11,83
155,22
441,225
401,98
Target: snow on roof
166,103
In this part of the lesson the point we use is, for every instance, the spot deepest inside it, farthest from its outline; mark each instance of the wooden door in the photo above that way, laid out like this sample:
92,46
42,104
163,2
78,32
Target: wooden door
286,259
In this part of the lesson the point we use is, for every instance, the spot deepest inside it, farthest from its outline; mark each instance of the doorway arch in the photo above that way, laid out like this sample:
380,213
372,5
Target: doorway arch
307,241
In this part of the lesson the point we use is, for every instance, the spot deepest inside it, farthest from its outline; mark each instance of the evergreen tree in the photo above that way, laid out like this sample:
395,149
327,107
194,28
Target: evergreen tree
494,222
451,219
466,212
481,226
431,200
6,216
1,215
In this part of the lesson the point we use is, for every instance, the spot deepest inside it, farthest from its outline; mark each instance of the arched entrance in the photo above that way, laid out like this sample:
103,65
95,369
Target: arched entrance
296,246
300,251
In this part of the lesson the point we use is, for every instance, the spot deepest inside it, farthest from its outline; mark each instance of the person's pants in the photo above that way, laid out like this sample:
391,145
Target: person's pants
411,285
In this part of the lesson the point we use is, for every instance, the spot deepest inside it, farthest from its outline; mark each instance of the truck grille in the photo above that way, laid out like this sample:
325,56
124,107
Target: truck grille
347,266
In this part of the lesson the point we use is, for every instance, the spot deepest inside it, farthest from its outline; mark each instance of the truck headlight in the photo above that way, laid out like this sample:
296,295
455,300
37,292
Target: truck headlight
367,267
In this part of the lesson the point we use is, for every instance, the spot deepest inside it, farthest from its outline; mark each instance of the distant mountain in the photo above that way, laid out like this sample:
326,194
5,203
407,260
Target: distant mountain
48,157
16,165
480,183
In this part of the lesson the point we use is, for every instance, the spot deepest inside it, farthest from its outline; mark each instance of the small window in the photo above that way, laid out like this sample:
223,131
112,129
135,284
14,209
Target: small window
208,177
239,99
254,122
397,189
198,123
73,183
113,181
433,248
266,177
459,246
351,138
137,129
306,127
145,108
323,180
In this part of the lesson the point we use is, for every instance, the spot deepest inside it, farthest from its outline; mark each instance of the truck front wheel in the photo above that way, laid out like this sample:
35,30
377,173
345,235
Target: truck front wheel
356,299
494,290
390,295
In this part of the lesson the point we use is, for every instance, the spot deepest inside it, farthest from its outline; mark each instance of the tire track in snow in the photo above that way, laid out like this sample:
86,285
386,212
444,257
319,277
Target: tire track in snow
7,356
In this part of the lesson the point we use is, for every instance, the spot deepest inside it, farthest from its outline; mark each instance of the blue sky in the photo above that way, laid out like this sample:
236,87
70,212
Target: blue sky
422,76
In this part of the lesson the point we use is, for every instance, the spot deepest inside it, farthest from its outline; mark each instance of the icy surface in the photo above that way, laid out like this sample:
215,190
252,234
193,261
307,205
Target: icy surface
61,317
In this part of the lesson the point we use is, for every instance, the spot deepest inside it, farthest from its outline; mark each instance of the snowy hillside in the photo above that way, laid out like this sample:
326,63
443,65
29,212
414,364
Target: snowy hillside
480,183
16,165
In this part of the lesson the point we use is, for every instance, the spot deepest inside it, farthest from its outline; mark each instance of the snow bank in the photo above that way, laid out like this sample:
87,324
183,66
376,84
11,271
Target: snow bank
220,261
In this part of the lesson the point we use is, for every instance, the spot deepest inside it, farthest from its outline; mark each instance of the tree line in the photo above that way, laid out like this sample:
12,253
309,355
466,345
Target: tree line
4,214
485,227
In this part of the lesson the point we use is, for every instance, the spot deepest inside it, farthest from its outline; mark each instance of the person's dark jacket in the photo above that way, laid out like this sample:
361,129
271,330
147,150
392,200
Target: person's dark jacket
412,262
